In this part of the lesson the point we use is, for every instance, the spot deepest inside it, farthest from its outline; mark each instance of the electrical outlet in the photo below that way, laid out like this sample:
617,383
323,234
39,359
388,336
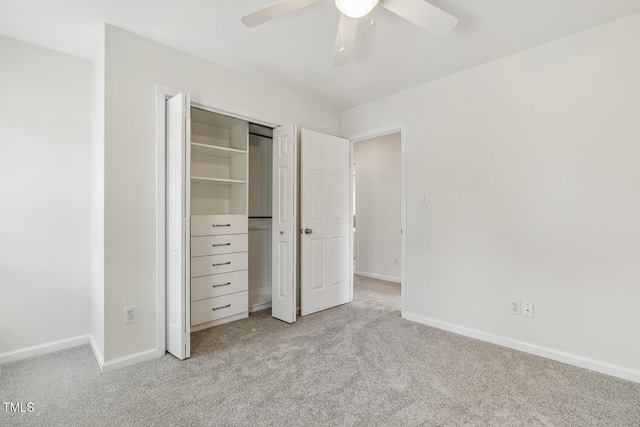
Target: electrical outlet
130,315
527,309
515,307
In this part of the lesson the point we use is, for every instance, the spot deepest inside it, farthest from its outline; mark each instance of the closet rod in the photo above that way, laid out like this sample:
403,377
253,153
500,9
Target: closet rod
260,217
262,136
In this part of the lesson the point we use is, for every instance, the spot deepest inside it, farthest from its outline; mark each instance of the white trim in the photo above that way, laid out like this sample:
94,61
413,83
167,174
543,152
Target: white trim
382,131
241,114
97,353
379,276
123,362
37,350
546,352
162,93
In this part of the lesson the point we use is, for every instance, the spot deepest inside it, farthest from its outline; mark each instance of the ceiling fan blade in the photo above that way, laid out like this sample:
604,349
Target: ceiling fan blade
423,14
274,11
347,30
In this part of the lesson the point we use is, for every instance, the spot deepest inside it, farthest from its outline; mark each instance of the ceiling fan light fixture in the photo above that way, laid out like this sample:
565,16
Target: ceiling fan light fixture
356,8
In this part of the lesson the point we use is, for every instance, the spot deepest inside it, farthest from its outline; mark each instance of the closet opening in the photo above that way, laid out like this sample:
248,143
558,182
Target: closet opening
231,191
227,239
260,215
219,220
229,220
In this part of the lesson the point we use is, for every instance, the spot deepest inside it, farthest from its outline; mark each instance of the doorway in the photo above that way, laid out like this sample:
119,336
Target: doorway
378,206
377,223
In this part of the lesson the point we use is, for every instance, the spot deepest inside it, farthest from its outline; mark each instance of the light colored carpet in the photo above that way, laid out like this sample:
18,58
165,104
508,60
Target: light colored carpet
358,364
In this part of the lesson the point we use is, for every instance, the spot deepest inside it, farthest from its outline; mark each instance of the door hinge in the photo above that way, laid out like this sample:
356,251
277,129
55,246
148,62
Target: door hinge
185,223
185,339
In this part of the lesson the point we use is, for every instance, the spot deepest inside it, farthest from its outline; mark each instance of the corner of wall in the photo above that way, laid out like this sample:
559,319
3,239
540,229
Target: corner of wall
97,203
97,352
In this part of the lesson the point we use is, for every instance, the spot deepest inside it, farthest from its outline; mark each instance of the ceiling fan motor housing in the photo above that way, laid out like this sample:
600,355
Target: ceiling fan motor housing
356,8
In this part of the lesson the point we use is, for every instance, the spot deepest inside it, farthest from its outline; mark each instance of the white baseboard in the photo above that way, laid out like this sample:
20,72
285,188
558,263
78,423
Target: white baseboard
549,353
123,362
378,276
37,350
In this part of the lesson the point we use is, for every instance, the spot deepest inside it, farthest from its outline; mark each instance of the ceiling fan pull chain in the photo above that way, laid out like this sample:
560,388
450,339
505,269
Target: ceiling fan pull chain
373,13
342,49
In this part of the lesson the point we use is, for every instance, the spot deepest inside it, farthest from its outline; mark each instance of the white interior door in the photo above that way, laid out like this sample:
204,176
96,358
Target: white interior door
283,271
177,191
325,221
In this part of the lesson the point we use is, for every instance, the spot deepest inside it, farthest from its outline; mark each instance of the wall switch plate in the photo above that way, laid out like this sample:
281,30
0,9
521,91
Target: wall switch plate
527,309
515,307
397,261
424,200
130,315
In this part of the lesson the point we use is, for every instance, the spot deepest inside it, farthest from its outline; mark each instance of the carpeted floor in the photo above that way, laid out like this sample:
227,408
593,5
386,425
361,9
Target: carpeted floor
358,364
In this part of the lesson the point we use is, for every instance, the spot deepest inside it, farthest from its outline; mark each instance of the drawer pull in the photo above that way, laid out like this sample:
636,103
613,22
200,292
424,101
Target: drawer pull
215,245
223,284
221,225
222,263
218,308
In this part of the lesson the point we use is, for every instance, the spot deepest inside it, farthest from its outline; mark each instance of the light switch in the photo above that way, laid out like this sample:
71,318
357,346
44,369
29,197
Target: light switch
424,200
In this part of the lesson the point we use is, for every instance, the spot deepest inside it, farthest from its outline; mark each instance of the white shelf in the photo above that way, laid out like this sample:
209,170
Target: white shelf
215,151
218,180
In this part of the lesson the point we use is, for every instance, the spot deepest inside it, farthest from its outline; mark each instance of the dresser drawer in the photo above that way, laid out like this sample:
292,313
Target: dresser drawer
216,264
219,284
218,307
214,225
214,245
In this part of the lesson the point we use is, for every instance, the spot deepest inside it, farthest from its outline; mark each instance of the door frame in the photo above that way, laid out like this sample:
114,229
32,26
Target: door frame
162,94
374,133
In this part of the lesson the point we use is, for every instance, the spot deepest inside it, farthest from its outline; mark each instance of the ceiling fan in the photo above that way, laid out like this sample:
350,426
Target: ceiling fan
421,13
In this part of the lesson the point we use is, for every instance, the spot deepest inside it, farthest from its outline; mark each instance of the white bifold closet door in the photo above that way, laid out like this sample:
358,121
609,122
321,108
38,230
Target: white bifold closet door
284,237
178,318
325,236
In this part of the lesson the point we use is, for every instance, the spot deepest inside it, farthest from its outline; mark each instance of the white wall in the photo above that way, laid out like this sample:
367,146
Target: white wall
378,223
133,67
44,218
530,162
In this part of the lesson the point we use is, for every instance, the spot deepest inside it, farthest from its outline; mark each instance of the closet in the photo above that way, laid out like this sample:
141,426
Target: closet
230,226
230,201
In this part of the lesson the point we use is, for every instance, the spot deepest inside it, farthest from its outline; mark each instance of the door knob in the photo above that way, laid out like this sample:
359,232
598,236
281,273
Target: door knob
308,231
281,232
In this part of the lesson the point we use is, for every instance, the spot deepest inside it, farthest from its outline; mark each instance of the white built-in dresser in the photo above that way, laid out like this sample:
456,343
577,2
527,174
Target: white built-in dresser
219,219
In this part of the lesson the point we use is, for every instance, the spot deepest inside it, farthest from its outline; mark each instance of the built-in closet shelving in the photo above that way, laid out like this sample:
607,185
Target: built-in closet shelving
230,239
219,230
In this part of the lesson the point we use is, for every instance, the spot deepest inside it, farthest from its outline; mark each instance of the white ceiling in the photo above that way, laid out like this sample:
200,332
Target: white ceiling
295,51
